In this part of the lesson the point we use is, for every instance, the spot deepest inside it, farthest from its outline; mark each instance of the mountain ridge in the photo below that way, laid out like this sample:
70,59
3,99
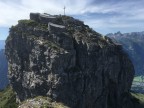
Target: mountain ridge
133,44
2,44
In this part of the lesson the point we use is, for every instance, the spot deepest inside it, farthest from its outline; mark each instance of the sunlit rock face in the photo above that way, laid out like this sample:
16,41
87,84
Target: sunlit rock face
75,66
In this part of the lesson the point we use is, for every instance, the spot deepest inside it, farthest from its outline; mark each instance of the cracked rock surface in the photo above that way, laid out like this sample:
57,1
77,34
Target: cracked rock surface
76,66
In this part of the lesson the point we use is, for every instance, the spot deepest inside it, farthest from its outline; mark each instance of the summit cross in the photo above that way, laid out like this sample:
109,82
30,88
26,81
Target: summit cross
64,9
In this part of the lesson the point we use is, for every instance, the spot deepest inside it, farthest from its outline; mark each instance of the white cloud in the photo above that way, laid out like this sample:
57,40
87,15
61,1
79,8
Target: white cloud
106,14
13,11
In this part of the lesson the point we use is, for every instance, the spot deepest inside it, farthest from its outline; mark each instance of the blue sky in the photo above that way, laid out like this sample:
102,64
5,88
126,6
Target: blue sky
104,16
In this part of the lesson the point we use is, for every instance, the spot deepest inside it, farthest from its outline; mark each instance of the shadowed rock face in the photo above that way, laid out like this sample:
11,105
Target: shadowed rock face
78,67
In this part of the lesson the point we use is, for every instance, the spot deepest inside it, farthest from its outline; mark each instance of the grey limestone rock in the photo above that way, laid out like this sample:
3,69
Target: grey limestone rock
77,67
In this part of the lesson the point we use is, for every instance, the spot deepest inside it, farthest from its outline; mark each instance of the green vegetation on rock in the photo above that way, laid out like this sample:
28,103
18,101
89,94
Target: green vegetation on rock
140,100
41,102
33,23
139,96
8,98
28,22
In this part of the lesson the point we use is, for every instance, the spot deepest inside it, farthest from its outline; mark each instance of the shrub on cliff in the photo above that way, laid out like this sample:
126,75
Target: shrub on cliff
7,98
28,22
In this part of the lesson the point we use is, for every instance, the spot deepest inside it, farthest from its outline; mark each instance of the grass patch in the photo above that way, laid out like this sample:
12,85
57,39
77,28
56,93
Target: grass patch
41,102
140,100
8,98
33,23
28,22
139,96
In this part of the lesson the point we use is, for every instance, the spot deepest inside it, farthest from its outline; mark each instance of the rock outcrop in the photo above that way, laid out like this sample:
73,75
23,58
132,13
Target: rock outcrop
75,66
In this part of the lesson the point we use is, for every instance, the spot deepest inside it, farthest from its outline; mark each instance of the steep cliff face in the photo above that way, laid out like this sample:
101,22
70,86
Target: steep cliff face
68,62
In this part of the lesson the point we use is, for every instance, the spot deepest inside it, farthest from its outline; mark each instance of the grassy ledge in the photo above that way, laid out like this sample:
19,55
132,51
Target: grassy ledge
8,98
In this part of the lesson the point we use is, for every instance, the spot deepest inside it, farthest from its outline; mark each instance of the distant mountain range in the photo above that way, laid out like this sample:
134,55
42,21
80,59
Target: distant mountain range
3,66
3,70
2,44
133,44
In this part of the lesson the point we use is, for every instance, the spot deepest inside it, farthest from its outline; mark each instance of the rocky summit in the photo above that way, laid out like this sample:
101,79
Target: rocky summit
62,58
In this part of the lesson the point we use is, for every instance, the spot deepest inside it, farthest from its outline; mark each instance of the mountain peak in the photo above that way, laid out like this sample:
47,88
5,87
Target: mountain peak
65,60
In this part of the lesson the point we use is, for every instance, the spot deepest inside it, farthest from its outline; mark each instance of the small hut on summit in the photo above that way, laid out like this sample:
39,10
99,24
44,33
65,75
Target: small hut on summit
55,27
42,18
54,22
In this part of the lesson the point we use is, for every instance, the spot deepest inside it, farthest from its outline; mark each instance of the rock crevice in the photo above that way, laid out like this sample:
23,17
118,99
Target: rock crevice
76,66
